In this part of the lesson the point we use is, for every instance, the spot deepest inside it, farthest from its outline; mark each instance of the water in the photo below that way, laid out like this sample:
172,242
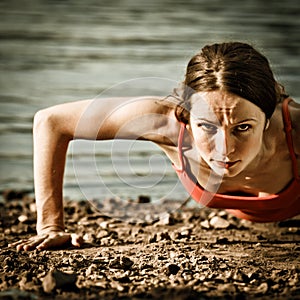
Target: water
60,51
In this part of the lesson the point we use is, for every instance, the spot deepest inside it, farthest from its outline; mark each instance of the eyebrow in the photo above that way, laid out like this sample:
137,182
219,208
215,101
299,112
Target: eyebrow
239,122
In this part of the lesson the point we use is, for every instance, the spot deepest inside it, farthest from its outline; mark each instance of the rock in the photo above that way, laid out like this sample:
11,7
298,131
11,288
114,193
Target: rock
22,218
219,223
91,269
152,238
121,262
240,276
166,219
56,279
32,207
143,199
163,236
262,288
186,231
172,269
13,194
205,224
222,240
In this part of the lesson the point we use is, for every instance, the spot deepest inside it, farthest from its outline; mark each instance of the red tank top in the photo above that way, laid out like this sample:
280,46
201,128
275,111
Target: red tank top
271,208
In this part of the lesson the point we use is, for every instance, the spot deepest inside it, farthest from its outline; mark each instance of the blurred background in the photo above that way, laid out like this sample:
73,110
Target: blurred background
60,51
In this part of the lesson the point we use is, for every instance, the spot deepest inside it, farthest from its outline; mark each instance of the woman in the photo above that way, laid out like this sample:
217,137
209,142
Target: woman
230,131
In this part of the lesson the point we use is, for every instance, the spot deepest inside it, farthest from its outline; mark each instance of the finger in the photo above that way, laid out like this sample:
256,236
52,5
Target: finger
24,242
45,244
16,243
32,244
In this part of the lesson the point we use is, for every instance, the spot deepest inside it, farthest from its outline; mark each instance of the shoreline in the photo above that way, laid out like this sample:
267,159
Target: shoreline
189,253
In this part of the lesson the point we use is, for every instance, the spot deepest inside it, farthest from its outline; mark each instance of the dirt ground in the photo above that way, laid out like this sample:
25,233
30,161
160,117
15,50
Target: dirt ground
189,253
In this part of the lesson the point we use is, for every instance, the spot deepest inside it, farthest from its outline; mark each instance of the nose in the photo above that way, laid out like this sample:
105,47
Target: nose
224,143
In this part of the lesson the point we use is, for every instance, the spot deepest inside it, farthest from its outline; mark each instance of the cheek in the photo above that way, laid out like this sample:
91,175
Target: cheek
250,146
204,144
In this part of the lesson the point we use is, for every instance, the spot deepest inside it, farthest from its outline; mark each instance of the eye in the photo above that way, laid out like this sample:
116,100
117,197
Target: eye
208,127
243,127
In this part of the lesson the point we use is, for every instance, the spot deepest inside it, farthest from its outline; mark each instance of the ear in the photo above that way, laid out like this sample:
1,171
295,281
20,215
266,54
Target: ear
267,124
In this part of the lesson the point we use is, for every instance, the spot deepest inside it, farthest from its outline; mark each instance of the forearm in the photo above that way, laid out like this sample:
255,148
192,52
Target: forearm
50,147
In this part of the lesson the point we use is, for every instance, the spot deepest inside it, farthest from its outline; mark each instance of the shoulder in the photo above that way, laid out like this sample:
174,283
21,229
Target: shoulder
276,131
150,118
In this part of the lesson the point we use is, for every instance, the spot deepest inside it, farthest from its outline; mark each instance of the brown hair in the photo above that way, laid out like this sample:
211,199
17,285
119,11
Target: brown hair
236,68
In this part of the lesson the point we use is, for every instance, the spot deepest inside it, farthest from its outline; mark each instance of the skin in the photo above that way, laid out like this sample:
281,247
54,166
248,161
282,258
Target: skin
224,135
228,131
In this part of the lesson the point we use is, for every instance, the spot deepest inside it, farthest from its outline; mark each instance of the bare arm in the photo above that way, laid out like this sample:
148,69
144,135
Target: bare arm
56,126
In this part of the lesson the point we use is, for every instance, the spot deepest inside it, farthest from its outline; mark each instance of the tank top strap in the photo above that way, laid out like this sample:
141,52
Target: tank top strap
179,147
288,133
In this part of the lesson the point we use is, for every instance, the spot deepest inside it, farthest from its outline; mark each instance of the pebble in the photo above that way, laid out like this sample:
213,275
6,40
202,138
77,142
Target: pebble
121,262
152,238
56,279
32,207
13,194
166,219
143,199
22,218
178,268
205,224
262,288
163,236
172,269
219,223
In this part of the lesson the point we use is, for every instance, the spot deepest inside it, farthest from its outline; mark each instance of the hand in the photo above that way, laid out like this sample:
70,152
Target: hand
48,240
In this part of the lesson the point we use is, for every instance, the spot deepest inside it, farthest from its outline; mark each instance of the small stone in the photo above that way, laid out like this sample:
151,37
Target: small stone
211,215
205,224
102,234
12,194
57,279
143,199
23,218
104,224
163,236
126,262
122,262
152,238
222,240
262,288
239,276
166,219
172,269
219,223
222,213
91,269
186,231
32,207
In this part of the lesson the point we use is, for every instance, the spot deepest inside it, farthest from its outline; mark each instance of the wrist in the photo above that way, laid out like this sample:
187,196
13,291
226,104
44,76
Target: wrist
44,229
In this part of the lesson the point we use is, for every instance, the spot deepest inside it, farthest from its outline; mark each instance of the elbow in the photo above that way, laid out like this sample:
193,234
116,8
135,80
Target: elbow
50,120
43,119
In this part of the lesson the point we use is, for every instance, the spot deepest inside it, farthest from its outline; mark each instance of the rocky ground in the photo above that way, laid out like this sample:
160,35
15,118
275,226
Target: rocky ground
188,253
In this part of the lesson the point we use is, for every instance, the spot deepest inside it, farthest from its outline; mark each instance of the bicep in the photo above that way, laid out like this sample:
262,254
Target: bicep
108,118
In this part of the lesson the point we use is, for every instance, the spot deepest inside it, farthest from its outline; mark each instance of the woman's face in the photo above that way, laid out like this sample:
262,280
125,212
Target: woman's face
227,130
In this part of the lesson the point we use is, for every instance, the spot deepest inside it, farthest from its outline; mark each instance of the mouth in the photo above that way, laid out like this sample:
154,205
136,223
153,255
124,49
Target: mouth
225,164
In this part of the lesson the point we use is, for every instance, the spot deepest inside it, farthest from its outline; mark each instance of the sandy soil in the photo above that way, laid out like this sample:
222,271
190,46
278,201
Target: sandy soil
188,254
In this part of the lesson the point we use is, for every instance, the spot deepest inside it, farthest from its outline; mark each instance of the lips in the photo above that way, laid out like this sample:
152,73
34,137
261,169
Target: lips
225,164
